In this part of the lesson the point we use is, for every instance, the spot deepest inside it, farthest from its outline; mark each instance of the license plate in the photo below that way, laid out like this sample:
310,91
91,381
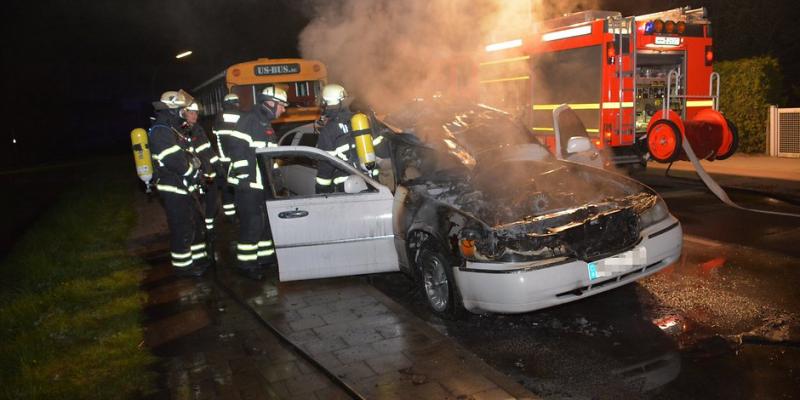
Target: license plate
668,40
618,264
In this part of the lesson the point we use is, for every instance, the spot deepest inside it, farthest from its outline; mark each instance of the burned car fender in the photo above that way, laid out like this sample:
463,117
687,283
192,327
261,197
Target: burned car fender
411,231
430,227
421,221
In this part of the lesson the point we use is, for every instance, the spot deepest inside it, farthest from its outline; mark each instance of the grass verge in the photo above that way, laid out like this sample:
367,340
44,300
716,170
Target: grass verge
71,305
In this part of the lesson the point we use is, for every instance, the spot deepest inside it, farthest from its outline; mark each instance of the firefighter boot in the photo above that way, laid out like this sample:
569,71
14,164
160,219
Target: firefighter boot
252,272
266,254
200,260
192,271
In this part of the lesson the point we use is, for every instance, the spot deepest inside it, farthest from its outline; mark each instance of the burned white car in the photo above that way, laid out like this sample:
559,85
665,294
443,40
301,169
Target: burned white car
474,210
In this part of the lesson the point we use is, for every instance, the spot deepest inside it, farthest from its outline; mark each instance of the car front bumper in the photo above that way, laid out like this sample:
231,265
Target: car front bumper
527,286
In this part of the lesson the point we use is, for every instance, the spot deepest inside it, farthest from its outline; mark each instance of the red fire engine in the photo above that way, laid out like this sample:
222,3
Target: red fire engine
641,84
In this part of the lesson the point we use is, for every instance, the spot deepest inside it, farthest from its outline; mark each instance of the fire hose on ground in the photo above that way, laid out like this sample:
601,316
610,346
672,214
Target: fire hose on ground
718,191
670,138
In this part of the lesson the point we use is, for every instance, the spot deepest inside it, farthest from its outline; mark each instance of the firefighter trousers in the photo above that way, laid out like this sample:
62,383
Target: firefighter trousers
211,200
226,191
186,231
255,247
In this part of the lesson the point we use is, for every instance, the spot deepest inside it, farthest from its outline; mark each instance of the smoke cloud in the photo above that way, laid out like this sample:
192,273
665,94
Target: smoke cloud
387,52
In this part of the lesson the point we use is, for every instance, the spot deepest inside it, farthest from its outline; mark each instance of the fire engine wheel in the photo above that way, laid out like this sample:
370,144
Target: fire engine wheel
734,144
664,141
438,283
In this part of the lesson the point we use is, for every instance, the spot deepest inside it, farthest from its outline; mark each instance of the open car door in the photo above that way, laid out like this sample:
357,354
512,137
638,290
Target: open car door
326,235
572,140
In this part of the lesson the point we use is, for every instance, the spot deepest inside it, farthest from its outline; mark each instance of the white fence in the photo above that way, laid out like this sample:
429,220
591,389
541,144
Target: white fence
784,132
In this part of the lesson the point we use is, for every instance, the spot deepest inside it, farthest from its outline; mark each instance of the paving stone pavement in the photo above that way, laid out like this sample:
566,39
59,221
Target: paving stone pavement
371,342
209,346
213,348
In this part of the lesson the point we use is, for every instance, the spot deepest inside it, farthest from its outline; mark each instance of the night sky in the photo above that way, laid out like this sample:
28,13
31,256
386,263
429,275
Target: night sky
79,75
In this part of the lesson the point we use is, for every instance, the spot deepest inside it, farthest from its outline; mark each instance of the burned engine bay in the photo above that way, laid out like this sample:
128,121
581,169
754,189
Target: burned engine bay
479,176
529,210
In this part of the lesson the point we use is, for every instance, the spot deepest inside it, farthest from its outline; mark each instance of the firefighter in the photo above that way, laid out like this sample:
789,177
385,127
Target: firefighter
255,250
337,139
210,164
177,171
223,125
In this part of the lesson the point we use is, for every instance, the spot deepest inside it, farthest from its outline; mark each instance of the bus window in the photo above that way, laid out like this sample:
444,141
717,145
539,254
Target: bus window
303,94
301,89
247,96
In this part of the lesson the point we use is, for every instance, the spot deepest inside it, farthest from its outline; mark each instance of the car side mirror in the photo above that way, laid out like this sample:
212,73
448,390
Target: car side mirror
355,184
578,144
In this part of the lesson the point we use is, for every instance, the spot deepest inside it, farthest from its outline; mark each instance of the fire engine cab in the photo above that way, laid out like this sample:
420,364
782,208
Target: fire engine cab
641,84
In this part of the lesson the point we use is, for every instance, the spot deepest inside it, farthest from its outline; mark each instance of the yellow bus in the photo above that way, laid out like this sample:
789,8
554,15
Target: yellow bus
302,79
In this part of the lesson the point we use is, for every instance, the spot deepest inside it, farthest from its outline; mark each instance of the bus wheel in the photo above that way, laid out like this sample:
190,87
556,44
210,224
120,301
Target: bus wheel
664,141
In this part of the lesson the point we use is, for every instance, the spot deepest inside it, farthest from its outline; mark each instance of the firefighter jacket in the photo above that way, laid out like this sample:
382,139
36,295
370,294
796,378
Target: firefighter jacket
172,157
202,148
224,124
335,137
253,131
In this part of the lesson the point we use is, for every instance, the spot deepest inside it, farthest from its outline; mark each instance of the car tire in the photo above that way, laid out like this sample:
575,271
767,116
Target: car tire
438,284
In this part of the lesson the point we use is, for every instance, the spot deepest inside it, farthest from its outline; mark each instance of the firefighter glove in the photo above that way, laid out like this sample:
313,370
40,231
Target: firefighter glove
196,164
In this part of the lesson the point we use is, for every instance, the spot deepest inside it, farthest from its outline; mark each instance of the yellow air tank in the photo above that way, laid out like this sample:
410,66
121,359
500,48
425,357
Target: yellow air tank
363,138
141,156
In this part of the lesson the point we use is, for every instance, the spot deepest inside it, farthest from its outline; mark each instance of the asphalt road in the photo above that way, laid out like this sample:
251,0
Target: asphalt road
721,323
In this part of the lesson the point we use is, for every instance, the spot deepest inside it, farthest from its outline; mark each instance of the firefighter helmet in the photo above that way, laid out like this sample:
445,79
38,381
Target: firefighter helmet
333,94
231,98
193,106
276,94
173,99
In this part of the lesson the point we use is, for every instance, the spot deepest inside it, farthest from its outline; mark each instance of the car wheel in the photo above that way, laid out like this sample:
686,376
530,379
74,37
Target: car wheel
438,284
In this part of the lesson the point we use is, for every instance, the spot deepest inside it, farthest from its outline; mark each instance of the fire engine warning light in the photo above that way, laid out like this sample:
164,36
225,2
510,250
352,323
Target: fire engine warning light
709,55
659,26
611,51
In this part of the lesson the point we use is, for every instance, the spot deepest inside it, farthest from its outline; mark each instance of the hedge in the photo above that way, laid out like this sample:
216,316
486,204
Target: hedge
748,87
